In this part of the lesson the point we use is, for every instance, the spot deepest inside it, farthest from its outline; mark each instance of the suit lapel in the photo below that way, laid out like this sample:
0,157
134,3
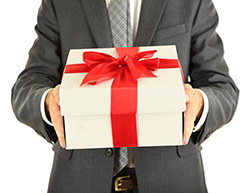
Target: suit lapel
151,12
98,19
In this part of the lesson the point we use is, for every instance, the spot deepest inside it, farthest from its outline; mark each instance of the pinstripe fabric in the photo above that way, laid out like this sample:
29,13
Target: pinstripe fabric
120,24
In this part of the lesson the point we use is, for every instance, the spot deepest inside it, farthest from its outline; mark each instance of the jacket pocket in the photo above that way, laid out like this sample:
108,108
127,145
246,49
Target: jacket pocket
168,32
62,153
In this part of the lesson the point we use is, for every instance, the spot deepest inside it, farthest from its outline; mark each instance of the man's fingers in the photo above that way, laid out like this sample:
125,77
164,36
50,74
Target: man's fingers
58,124
189,113
188,124
187,132
189,92
56,94
55,114
194,104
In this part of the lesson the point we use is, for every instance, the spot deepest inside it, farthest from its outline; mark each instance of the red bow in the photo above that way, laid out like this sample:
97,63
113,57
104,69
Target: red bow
131,64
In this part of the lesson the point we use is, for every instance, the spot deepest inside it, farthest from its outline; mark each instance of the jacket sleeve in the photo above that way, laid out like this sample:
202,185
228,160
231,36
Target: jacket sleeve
209,71
43,71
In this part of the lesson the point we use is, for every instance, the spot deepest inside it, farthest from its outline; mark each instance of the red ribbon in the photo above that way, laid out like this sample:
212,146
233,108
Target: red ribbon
126,69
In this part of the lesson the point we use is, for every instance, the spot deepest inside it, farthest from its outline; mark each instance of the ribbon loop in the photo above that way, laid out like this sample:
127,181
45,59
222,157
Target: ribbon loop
95,58
144,54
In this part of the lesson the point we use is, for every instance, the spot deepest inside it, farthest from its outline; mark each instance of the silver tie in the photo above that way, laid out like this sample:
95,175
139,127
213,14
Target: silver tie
120,24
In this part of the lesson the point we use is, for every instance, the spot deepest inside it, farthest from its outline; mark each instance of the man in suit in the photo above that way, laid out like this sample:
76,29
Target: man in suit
211,94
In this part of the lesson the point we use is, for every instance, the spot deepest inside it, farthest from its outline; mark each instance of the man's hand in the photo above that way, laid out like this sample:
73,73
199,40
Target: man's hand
195,104
52,106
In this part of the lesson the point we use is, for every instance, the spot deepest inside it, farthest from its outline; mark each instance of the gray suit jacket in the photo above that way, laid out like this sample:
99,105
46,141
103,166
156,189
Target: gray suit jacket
67,24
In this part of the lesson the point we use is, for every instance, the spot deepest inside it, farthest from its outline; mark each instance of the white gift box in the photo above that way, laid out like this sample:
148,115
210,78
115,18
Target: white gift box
160,105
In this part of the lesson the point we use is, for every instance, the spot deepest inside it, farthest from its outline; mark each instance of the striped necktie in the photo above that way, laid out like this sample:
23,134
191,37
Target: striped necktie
120,24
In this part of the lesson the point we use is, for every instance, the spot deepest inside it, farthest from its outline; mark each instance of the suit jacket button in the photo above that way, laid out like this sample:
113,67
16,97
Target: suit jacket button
109,152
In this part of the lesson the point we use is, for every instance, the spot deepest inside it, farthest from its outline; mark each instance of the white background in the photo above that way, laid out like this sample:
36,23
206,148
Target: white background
26,158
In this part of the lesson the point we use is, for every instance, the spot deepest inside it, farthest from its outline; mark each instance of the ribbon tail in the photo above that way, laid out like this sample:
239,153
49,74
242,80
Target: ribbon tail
93,78
100,73
146,65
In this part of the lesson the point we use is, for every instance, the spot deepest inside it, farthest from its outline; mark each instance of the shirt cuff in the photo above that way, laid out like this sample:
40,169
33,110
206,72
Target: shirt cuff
42,107
204,113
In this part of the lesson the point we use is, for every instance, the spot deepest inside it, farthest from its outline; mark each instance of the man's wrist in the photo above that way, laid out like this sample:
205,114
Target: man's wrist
44,107
201,118
200,105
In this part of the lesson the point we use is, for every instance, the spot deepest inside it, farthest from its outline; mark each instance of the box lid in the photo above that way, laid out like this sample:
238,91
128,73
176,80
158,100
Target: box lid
155,95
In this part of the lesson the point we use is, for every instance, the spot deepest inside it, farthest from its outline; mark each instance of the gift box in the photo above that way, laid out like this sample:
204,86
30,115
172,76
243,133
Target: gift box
122,97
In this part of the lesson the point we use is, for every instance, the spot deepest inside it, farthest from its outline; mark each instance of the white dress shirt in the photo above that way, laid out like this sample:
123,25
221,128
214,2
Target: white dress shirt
135,9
